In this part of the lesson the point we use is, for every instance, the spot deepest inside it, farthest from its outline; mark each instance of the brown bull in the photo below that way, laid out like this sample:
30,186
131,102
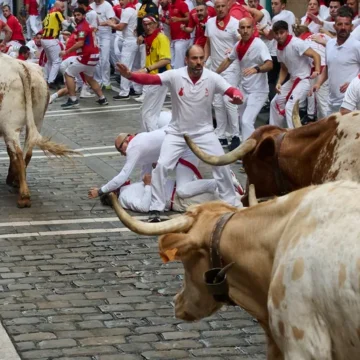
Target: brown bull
278,161
286,265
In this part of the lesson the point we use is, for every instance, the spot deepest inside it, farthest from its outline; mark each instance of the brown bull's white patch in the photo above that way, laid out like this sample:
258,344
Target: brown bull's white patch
298,333
278,289
298,269
342,275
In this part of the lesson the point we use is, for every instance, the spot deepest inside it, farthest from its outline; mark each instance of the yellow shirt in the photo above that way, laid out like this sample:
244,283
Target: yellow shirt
52,24
160,50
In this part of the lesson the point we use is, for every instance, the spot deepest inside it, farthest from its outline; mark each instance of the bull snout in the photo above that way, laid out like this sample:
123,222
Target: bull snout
181,312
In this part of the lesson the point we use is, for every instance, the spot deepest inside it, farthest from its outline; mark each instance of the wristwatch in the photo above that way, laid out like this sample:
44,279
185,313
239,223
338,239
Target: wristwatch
257,69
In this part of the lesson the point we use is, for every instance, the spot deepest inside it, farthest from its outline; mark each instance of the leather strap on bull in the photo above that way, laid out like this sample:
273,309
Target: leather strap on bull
215,278
283,186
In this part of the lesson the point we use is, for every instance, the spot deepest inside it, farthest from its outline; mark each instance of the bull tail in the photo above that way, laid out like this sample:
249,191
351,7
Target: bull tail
51,148
32,133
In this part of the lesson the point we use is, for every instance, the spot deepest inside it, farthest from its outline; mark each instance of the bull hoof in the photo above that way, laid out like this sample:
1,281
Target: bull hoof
24,202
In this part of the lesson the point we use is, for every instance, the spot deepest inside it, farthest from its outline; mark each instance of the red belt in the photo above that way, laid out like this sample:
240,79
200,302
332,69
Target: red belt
49,38
190,166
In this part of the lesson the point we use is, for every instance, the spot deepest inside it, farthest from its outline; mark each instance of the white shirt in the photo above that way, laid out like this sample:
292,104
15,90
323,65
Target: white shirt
298,65
356,33
256,55
313,27
352,95
104,12
91,18
129,17
143,149
165,27
266,20
191,103
287,16
343,64
320,49
34,49
221,40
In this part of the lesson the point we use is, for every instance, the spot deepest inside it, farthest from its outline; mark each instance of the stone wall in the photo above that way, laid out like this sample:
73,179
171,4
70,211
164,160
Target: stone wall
298,7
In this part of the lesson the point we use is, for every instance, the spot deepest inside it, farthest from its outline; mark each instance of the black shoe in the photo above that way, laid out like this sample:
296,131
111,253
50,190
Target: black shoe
53,86
307,119
102,101
70,104
134,93
235,142
265,108
223,142
119,97
154,217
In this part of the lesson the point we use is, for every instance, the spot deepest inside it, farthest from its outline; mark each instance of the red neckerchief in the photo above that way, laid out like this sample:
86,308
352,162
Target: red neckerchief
194,79
130,137
308,19
89,8
322,2
259,7
54,9
149,39
223,22
282,47
21,57
243,47
129,5
305,35
135,2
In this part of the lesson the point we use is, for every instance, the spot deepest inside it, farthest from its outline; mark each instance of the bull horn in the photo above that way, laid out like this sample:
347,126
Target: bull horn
295,116
178,224
252,195
225,159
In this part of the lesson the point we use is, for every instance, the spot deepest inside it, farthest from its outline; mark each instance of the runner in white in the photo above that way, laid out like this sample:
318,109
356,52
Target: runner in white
222,34
312,8
192,92
104,13
342,60
255,61
294,56
351,100
130,48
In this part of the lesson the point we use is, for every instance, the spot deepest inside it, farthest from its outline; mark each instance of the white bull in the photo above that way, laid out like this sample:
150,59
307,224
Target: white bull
296,267
23,101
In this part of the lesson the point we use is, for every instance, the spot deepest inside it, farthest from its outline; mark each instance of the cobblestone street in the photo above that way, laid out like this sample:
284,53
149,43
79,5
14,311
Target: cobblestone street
75,283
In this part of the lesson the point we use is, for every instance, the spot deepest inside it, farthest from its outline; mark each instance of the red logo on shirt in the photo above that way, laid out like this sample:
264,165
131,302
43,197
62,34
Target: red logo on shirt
206,92
181,92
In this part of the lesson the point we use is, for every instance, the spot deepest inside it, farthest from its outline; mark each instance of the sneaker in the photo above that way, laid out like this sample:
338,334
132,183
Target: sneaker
307,119
117,78
236,183
140,99
86,94
102,101
134,93
52,86
223,142
120,97
70,104
265,108
154,216
235,142
242,169
107,87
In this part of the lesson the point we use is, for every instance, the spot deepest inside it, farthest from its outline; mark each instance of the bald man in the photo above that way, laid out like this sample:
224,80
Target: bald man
143,150
255,61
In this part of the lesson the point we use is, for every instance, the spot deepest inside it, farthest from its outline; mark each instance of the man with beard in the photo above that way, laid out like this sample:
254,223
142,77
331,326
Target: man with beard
197,20
17,37
158,58
255,61
192,91
294,56
342,60
85,63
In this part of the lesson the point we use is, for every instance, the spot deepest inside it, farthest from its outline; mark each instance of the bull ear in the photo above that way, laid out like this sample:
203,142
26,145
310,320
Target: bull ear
173,246
266,149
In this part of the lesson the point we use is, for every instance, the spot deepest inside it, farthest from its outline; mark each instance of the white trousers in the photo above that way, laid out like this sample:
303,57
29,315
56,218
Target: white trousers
33,26
333,109
102,73
248,112
318,102
52,50
226,113
154,99
118,43
173,147
178,49
281,109
128,54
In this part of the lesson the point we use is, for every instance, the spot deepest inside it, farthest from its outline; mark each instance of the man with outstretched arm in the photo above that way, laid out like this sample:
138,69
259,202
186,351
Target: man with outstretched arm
192,92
